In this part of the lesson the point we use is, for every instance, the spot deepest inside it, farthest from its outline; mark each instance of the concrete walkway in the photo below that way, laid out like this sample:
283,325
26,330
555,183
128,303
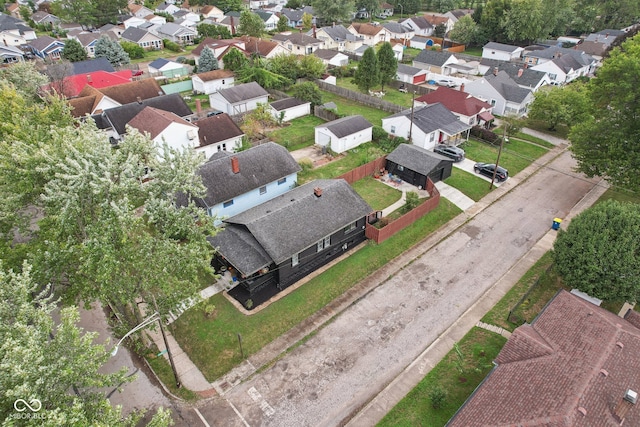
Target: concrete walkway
454,195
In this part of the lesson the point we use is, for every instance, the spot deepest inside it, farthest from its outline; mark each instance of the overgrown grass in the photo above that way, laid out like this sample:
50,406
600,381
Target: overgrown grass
478,348
469,184
213,344
352,159
204,100
516,155
349,107
162,368
391,95
300,133
377,194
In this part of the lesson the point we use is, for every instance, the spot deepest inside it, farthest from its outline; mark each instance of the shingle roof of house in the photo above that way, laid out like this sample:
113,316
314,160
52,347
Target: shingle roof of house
555,52
507,87
154,121
570,367
42,42
420,22
592,47
243,92
212,43
326,53
296,38
289,224
605,36
501,47
339,33
346,125
416,158
258,45
217,128
367,29
131,92
259,166
455,101
434,117
409,70
118,117
283,104
396,27
161,62
523,76
432,57
173,29
436,20
134,34
214,75
292,14
89,66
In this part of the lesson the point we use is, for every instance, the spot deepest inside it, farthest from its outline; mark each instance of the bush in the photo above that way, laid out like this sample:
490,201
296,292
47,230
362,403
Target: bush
484,134
437,396
306,164
378,133
412,201
181,59
388,144
172,46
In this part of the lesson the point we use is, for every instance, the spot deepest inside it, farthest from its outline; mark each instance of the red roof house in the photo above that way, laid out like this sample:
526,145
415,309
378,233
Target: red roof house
469,109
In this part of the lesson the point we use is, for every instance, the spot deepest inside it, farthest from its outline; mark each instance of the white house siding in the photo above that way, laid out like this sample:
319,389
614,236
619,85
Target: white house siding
218,102
177,136
339,145
484,91
400,126
293,112
253,198
230,145
555,73
211,86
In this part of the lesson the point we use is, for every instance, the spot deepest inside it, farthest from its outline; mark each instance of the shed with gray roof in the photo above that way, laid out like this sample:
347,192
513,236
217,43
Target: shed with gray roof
239,99
414,165
344,134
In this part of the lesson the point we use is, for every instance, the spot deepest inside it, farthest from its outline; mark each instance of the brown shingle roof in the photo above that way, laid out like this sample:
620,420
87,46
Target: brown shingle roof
570,367
215,75
261,46
436,20
217,128
367,29
154,121
130,92
82,106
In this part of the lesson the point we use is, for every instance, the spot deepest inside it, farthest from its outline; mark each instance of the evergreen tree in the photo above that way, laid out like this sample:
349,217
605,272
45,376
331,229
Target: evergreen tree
207,61
111,49
387,63
283,24
73,51
368,74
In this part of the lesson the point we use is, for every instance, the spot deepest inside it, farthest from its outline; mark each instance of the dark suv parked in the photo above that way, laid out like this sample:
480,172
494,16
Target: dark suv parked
487,169
455,153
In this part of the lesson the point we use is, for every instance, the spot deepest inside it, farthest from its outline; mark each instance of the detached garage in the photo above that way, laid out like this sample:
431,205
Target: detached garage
414,164
344,134
409,74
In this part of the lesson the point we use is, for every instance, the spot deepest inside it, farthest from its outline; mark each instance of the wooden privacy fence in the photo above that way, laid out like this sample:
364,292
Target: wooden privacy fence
369,101
365,170
379,235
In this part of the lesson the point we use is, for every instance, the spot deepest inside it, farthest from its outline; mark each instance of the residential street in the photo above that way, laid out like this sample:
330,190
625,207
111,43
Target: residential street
335,373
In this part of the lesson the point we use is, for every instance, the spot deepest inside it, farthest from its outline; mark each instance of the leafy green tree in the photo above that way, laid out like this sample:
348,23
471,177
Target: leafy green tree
250,24
283,24
443,6
307,91
81,11
107,11
606,143
440,30
294,4
492,19
371,6
207,61
264,77
73,51
134,50
214,31
600,253
230,5
234,60
311,67
464,31
307,21
111,49
333,11
286,65
555,106
25,12
25,79
368,74
524,21
387,64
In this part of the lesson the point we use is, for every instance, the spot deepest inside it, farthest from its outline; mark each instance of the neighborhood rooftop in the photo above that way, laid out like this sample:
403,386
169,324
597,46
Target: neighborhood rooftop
243,92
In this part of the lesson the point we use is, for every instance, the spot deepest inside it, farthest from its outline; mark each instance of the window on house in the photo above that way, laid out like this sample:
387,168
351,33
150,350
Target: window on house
227,203
393,129
432,137
324,243
282,180
493,102
349,228
263,189
295,259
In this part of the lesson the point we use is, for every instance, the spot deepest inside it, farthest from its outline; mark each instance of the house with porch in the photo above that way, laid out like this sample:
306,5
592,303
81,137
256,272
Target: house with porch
239,99
344,134
523,75
10,54
432,124
218,133
176,33
143,38
563,65
467,108
46,47
499,90
273,245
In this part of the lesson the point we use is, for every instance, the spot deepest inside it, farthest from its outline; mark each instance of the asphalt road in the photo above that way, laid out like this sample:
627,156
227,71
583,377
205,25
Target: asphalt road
326,380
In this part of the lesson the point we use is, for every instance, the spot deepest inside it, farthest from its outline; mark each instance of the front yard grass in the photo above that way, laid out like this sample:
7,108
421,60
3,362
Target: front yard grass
300,133
212,344
526,137
562,131
620,194
516,155
377,194
469,184
478,348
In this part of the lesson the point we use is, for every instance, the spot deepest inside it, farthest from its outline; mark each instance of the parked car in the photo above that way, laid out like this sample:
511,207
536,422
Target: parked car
214,113
446,82
487,169
455,153
136,73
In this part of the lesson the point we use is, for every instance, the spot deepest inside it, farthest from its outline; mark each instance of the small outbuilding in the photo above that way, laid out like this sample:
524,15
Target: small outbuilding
288,109
344,134
414,165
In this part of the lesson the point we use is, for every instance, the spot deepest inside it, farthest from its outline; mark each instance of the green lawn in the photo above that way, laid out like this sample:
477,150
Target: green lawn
298,134
212,344
377,194
349,107
204,100
457,378
527,137
516,155
562,131
391,95
471,185
476,51
620,195
353,158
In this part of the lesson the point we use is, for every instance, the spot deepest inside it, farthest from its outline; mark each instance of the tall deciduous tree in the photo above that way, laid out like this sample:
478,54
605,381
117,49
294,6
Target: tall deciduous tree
308,91
330,11
607,143
311,67
25,79
234,60
556,106
464,31
111,49
283,24
73,51
368,74
214,31
250,24
307,20
524,21
600,252
387,64
207,61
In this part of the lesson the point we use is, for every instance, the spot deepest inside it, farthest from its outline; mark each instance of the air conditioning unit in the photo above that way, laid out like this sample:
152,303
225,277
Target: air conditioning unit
191,134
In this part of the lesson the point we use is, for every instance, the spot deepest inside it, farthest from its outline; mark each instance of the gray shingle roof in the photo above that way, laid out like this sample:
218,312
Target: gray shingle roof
134,34
289,223
434,117
507,87
432,57
347,125
243,92
528,78
554,52
416,158
283,104
396,27
501,47
326,53
407,69
259,166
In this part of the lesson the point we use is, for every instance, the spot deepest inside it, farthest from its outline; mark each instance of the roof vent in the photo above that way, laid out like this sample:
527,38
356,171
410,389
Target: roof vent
631,396
619,344
317,191
582,411
604,372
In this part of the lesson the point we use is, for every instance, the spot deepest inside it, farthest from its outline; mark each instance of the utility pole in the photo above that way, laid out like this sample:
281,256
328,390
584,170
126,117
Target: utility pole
495,170
166,344
413,97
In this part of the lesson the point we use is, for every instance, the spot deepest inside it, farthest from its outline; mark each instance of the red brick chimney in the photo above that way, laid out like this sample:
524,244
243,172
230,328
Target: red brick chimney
233,27
198,106
317,191
235,165
520,71
89,79
314,31
461,87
